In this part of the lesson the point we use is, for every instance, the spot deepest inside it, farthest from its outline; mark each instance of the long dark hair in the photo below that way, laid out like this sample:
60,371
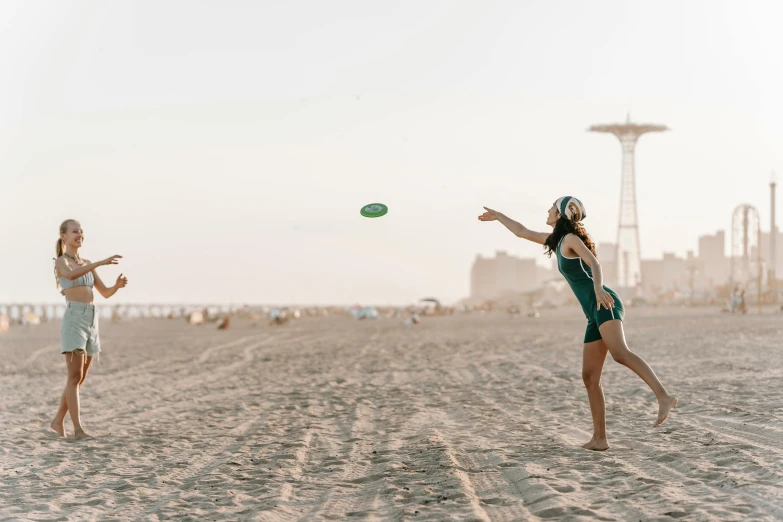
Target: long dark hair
566,226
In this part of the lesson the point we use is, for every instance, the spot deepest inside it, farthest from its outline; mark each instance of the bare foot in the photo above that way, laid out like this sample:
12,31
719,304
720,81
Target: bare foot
58,427
664,408
82,435
597,445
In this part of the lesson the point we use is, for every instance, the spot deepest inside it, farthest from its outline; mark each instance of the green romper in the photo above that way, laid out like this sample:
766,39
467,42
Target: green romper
580,279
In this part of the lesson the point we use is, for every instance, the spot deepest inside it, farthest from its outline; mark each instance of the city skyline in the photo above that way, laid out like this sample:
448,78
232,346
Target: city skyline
706,270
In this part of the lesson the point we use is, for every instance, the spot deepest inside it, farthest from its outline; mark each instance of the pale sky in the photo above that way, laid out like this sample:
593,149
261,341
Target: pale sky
226,148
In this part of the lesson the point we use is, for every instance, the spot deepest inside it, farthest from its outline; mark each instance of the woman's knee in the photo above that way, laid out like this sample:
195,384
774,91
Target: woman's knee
592,379
621,356
75,376
85,368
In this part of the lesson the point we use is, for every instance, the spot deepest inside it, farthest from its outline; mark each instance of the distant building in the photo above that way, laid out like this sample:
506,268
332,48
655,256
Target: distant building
715,265
607,253
492,278
505,275
664,275
765,237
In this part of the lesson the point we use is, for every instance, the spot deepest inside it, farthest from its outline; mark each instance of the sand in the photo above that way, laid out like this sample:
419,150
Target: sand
463,418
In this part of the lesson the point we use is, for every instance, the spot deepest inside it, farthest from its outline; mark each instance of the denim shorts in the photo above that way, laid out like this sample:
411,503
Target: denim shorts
79,330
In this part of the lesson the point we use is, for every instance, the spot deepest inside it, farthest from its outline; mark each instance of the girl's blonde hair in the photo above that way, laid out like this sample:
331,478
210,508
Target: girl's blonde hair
59,248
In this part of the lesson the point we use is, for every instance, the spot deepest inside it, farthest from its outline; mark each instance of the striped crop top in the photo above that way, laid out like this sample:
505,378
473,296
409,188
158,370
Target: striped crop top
85,280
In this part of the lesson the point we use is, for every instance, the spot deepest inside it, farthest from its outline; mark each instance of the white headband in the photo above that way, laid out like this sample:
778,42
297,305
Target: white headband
571,208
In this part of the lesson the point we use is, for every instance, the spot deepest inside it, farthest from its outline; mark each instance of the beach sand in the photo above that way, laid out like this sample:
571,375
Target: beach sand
468,417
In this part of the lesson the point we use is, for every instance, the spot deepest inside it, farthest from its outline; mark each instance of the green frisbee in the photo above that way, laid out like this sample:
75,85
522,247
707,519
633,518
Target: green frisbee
374,210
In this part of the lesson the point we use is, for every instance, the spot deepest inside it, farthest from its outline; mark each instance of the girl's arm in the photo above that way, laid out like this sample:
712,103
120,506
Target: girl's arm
518,229
603,297
65,270
104,290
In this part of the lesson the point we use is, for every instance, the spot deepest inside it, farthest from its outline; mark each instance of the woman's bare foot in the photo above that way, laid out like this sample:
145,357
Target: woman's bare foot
664,407
81,434
58,427
597,445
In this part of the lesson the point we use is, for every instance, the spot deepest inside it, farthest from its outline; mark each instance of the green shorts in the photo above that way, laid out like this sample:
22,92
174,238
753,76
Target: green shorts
79,329
598,317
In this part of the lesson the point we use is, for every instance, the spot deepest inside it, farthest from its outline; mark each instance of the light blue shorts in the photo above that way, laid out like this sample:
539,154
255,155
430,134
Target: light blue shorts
79,330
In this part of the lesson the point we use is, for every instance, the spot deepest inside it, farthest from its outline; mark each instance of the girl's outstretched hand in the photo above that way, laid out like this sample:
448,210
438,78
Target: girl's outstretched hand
122,281
489,215
113,260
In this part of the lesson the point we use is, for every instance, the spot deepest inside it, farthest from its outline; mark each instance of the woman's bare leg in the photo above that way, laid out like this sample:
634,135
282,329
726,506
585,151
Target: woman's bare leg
75,364
593,358
58,424
614,338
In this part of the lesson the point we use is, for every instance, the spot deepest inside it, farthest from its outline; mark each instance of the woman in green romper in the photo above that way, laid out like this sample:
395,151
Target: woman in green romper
576,260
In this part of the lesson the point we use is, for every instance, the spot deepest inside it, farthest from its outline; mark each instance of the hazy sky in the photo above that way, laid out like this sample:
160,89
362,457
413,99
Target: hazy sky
225,148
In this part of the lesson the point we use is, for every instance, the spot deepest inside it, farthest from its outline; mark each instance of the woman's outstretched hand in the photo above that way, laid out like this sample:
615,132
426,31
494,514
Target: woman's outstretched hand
489,215
113,260
122,281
